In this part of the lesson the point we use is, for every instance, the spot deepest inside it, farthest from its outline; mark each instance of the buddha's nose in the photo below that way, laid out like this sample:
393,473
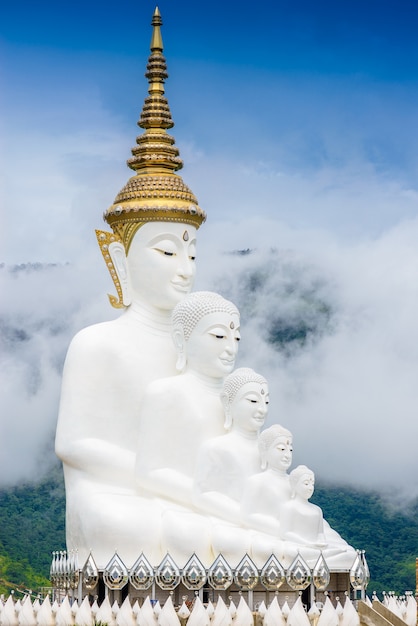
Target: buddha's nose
186,267
232,346
263,409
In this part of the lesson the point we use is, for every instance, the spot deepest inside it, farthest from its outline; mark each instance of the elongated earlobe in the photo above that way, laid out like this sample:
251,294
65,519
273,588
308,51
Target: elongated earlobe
117,253
180,345
181,362
227,411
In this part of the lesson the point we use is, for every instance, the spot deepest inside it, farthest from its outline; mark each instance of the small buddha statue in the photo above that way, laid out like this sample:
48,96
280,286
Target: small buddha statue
267,491
301,521
303,529
225,462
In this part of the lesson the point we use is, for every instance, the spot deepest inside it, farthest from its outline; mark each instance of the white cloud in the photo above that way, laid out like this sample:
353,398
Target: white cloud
42,308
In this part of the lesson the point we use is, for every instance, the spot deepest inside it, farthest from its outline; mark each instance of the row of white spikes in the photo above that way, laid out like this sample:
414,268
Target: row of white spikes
26,613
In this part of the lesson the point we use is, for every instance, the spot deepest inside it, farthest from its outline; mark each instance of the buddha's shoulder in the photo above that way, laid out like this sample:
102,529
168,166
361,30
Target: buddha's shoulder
171,384
218,451
108,332
219,444
258,480
102,338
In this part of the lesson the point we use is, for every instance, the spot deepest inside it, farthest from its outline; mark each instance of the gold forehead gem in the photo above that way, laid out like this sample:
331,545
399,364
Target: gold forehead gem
185,236
232,326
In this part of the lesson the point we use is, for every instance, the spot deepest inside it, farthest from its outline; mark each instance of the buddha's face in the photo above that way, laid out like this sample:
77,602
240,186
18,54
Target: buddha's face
161,263
213,345
249,407
279,454
305,486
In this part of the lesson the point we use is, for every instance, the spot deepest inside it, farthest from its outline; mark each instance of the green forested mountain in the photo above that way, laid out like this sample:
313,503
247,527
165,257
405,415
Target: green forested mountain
32,526
389,535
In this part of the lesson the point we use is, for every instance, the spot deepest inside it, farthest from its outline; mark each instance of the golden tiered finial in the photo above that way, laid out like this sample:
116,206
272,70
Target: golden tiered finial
155,193
156,39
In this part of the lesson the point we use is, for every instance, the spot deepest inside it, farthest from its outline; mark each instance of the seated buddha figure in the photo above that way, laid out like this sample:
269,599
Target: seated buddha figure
180,413
266,492
226,462
301,521
303,529
107,368
151,257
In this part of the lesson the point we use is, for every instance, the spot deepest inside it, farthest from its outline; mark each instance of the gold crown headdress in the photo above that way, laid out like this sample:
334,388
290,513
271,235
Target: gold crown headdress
155,193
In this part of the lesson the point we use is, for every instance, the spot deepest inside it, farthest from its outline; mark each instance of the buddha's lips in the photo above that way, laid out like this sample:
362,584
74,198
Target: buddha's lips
227,361
182,286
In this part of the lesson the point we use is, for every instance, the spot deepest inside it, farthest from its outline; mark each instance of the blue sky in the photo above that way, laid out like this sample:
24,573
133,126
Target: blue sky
296,122
375,38
323,92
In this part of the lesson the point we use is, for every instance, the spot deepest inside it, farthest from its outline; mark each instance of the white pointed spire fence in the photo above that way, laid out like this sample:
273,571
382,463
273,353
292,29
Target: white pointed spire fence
193,612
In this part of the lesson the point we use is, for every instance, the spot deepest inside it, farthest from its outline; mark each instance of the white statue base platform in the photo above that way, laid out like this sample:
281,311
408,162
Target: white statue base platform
142,580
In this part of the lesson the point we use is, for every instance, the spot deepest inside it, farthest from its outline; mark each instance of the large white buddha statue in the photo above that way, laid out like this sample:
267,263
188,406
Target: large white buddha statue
151,256
180,413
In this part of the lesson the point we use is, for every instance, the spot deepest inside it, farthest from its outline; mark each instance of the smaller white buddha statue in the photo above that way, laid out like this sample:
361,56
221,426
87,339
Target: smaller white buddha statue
301,521
226,462
303,529
267,491
179,413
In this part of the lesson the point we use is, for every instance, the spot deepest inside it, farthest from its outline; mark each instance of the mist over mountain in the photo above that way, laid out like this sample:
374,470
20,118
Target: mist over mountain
332,326
42,307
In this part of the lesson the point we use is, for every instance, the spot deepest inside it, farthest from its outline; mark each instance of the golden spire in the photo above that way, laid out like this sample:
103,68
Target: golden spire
155,193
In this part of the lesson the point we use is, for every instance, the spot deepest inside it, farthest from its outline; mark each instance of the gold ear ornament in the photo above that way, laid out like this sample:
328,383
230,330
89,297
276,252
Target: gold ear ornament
105,239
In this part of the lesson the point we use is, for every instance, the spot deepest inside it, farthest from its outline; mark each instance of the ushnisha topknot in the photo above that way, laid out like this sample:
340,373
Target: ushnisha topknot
156,192
239,377
195,306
